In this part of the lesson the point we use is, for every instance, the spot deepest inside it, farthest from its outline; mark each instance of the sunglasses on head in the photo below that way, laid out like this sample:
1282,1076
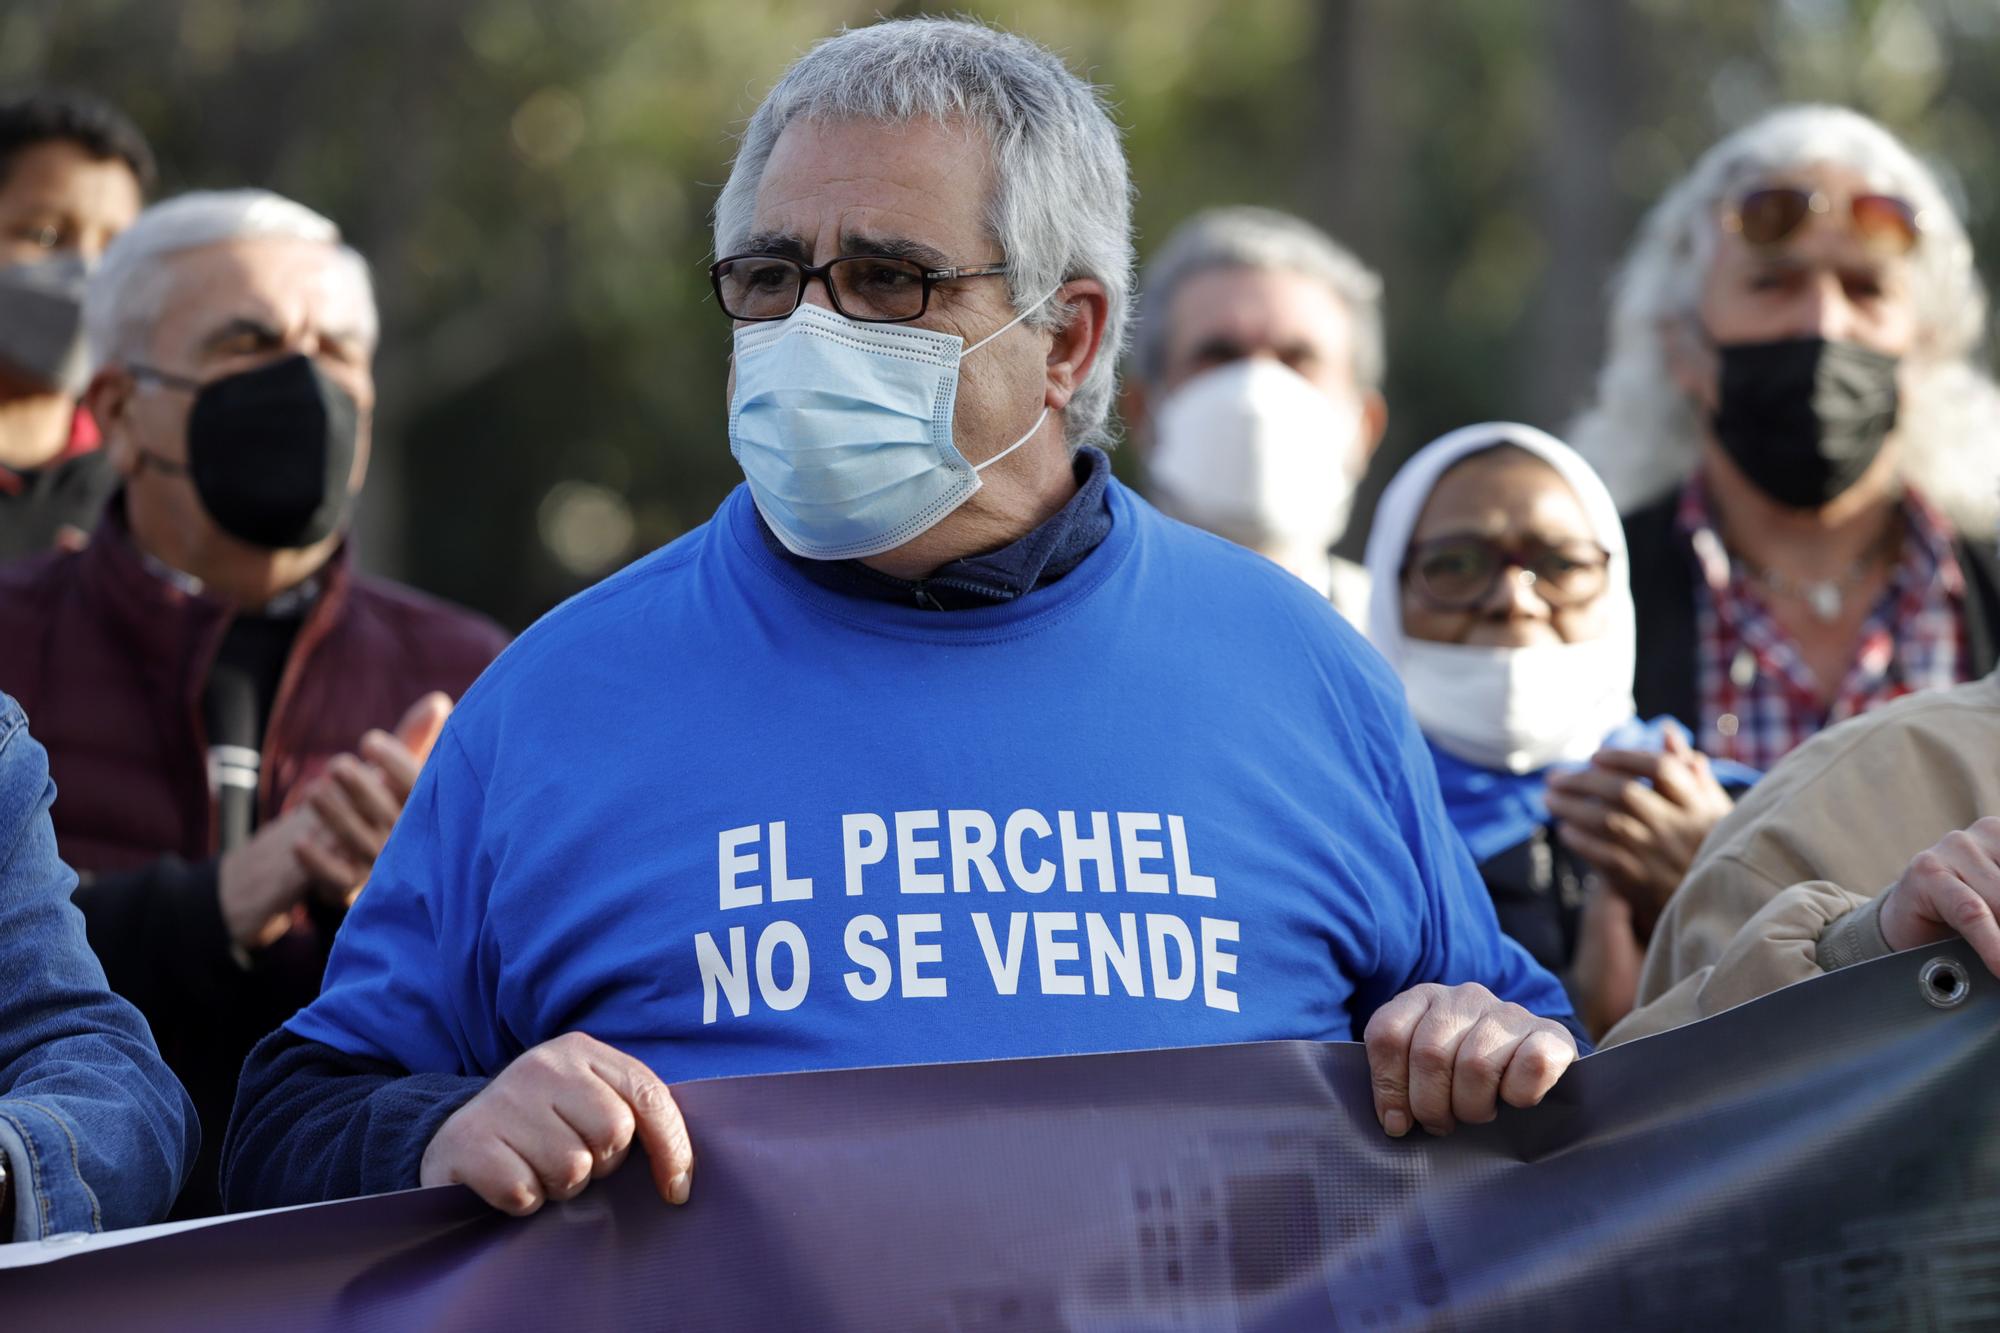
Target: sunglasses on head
1770,215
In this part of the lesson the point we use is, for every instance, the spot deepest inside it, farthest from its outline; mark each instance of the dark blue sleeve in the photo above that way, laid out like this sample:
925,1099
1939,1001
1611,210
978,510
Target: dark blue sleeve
343,1100
97,1132
314,1123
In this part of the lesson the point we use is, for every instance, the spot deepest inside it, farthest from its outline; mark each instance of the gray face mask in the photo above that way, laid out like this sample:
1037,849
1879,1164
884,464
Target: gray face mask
41,322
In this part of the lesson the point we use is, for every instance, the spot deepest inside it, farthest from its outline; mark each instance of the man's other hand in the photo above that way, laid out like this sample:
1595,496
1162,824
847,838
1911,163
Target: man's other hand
1439,1055
1953,888
259,882
562,1115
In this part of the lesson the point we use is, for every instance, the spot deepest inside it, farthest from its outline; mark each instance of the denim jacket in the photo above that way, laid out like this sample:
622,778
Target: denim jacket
96,1133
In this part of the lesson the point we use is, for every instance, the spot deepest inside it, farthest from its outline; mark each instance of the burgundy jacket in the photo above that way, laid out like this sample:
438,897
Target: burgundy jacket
109,660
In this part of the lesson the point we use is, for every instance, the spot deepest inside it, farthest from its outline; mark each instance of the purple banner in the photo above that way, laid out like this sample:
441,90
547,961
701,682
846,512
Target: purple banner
1828,1157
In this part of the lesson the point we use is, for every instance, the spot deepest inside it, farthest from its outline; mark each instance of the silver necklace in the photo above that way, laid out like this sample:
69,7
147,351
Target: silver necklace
1823,597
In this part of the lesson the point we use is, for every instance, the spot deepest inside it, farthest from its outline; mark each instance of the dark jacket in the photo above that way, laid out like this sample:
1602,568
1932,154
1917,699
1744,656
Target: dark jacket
95,1132
1537,889
37,507
109,659
1664,579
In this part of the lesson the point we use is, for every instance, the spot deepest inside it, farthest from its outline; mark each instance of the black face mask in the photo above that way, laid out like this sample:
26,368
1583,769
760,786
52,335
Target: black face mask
1803,417
270,451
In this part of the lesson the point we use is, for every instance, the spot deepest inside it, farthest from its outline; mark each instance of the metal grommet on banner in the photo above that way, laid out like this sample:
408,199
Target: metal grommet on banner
1944,983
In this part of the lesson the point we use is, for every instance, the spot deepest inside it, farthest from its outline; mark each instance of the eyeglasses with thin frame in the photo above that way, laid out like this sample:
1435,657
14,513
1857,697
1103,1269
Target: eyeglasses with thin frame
1459,571
1770,215
873,289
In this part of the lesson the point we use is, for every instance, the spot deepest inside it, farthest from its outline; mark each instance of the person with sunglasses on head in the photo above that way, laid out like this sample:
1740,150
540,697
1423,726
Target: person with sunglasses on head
1500,597
1792,405
935,743
218,688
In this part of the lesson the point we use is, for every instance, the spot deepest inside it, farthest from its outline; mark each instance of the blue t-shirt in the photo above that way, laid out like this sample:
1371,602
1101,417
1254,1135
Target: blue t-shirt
733,822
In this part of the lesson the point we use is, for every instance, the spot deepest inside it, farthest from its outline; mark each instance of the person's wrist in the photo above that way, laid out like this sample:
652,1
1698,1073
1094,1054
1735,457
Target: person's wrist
229,896
249,925
431,1168
1900,929
1647,900
1659,892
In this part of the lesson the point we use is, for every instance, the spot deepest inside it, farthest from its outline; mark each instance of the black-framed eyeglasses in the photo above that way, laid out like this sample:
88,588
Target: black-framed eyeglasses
1459,571
874,289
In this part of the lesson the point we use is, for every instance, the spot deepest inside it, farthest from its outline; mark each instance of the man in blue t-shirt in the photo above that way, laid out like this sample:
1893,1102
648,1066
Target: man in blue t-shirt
935,743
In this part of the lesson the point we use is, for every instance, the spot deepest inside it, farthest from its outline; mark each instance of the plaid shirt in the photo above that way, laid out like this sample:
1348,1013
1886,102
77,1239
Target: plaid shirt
1758,697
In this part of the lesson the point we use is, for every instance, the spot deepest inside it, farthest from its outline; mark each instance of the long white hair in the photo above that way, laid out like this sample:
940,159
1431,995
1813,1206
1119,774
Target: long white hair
1642,435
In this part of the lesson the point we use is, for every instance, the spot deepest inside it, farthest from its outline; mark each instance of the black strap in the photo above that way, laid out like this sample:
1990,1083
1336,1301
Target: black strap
1663,589
1981,562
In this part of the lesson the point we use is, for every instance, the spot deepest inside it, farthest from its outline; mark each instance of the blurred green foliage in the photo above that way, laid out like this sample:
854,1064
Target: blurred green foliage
531,179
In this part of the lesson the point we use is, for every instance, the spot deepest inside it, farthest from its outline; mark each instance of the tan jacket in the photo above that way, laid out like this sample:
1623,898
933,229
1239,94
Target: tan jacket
1785,888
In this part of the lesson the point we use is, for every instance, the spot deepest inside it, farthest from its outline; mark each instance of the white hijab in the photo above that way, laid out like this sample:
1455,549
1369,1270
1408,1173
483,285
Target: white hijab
1567,725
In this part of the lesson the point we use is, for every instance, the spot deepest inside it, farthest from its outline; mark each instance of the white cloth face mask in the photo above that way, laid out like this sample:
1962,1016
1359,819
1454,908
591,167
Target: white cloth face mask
1253,451
1518,710
844,430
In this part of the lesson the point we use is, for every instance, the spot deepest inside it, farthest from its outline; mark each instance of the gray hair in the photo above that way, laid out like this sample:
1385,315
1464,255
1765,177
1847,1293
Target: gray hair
1062,202
1642,434
1257,238
123,298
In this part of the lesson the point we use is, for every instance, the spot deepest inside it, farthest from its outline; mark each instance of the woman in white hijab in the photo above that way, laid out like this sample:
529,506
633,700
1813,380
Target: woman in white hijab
1500,595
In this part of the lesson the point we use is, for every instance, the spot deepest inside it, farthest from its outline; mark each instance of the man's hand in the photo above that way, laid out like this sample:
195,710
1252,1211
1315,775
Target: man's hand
1439,1055
1641,839
562,1115
328,841
357,799
1951,889
259,882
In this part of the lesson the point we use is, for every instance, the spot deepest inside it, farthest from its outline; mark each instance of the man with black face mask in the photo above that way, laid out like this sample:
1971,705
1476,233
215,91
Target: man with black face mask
73,173
1792,402
219,691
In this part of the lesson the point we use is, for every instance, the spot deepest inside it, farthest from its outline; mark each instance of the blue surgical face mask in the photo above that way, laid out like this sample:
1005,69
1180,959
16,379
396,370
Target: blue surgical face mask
843,430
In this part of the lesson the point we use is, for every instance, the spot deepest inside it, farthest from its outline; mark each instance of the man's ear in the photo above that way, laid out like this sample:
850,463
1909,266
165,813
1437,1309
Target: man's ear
1073,348
108,396
1374,423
